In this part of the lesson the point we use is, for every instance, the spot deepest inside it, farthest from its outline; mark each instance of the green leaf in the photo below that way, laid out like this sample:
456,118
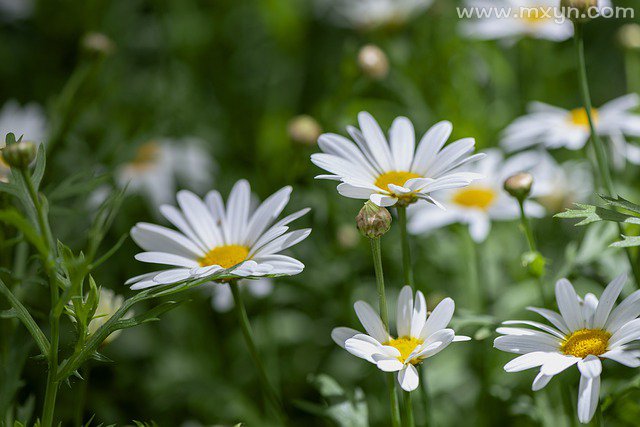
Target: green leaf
345,409
628,242
38,170
148,316
14,218
622,203
593,214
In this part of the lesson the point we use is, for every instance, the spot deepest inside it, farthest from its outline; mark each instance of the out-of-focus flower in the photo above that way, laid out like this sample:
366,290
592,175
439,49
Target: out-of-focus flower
395,172
14,10
222,298
108,304
480,203
584,332
373,62
239,241
558,187
555,127
347,236
512,19
98,43
158,165
304,129
420,336
629,36
4,167
28,122
372,14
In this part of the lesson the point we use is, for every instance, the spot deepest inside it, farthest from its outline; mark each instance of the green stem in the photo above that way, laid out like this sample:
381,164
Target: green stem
54,320
424,387
473,279
384,315
408,409
406,249
596,141
243,319
528,232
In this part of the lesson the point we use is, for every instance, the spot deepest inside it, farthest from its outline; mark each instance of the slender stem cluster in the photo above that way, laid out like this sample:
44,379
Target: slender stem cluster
384,315
268,390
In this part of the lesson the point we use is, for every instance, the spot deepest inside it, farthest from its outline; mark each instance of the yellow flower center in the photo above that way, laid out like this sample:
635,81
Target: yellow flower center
584,342
395,177
225,256
535,15
405,346
578,117
475,197
146,156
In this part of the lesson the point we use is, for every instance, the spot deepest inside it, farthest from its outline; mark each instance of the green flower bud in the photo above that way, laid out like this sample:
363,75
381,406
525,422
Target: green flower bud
373,62
535,264
19,155
304,129
519,185
373,221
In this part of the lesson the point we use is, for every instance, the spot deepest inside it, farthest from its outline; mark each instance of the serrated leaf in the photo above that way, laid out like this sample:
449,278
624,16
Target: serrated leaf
148,316
593,214
627,242
622,203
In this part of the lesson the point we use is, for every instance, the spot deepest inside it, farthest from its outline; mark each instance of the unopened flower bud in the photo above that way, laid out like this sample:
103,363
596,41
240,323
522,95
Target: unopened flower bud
98,43
519,185
373,221
373,62
629,36
579,11
304,129
19,155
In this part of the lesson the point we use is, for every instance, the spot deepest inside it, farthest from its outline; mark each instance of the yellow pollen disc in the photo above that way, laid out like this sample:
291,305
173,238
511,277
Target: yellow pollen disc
395,177
535,15
405,346
146,156
579,117
584,342
225,256
475,197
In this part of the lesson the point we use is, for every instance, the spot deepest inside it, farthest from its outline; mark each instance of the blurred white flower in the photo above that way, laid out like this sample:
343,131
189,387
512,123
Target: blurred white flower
222,298
29,122
420,335
559,187
159,165
483,201
108,304
239,240
4,167
371,14
522,18
396,171
584,332
554,127
13,10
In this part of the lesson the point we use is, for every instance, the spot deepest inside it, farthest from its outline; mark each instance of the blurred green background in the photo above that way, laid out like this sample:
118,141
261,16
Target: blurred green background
234,73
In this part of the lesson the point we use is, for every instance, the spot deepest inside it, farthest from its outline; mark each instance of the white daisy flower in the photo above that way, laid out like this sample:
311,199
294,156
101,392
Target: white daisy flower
483,201
222,298
396,172
238,241
420,335
560,186
513,19
554,127
583,333
158,165
371,14
28,122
